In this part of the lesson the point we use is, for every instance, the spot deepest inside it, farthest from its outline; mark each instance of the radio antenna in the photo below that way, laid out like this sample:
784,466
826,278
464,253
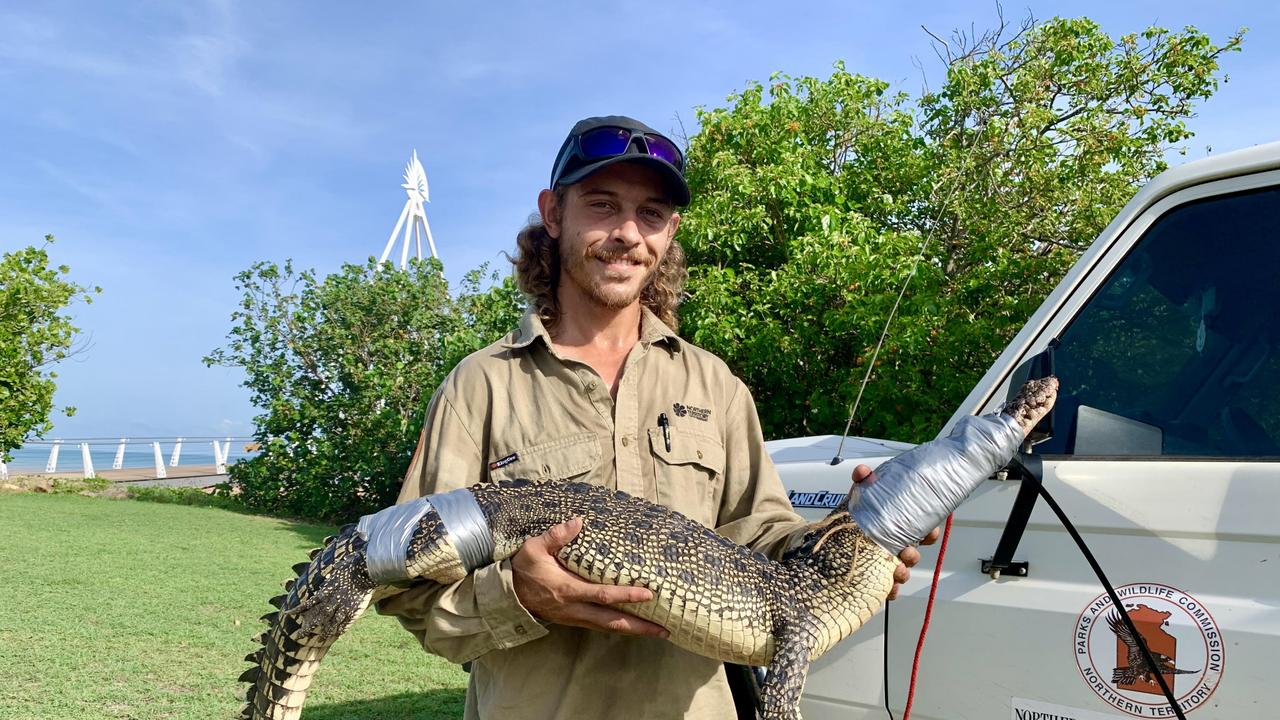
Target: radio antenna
924,245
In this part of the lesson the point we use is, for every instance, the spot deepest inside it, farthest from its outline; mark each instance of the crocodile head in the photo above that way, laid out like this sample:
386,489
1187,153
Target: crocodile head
828,545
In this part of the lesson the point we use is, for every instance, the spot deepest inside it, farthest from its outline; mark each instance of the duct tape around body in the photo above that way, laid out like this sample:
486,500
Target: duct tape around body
915,491
389,531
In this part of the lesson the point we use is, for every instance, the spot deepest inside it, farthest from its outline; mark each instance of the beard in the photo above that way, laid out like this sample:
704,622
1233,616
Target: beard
614,296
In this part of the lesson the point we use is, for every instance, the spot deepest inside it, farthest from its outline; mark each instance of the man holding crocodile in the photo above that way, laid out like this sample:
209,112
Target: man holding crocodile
594,386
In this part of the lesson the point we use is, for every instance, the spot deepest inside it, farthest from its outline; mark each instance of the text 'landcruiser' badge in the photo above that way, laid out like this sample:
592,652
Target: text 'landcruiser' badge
820,499
1183,638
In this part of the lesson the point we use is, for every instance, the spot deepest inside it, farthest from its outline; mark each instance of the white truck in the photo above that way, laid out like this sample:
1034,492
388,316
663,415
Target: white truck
1165,454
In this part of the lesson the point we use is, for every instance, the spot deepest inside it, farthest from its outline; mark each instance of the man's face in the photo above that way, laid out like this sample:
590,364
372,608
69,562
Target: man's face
614,228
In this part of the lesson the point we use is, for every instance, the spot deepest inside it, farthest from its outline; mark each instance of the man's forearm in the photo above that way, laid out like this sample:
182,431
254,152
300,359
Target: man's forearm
467,619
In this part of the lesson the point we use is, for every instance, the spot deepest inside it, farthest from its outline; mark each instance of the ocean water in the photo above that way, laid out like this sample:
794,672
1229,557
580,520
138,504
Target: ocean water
32,457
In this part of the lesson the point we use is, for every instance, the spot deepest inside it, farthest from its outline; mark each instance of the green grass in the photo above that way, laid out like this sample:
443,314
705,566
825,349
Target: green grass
122,609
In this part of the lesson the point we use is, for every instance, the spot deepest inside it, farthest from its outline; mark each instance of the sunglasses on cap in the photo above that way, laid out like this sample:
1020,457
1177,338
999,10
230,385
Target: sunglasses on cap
611,141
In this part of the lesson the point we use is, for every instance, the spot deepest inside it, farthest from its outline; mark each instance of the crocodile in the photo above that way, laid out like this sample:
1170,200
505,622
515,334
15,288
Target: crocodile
716,598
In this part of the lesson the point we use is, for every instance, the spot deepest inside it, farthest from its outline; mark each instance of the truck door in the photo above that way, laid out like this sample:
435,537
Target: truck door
1165,455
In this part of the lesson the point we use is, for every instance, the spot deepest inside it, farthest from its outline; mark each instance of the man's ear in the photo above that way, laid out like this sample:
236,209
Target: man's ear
551,213
675,225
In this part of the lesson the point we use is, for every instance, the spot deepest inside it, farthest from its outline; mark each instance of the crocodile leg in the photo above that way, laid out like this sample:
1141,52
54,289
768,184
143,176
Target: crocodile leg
780,695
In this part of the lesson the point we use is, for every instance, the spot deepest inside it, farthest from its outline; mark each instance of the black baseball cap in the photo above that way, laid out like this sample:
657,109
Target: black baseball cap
598,142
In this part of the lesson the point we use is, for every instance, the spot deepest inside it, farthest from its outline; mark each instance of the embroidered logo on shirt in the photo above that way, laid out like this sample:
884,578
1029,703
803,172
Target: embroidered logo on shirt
697,413
504,461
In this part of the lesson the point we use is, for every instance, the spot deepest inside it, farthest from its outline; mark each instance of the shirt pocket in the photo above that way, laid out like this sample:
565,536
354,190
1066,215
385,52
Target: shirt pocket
559,459
689,475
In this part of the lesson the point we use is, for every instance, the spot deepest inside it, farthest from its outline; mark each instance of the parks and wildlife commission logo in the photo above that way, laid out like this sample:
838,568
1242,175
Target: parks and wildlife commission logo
1183,638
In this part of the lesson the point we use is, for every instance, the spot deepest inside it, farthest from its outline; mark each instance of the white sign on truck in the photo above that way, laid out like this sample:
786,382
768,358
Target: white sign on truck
1166,456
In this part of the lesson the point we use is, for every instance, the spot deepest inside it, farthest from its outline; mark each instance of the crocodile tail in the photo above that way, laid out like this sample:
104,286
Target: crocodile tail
329,593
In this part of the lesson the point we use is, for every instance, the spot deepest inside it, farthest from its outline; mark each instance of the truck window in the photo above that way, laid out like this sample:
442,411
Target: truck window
1178,354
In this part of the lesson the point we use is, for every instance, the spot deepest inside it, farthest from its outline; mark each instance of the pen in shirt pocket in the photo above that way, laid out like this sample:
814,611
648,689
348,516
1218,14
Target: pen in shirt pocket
666,430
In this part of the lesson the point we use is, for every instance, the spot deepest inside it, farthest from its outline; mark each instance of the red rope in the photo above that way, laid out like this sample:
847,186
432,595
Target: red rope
928,613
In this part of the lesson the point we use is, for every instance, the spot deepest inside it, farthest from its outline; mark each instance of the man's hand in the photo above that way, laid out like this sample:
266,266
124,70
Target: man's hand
552,593
908,557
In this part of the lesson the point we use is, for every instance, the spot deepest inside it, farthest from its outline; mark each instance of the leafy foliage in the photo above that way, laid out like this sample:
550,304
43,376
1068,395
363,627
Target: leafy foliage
815,200
34,334
343,367
194,497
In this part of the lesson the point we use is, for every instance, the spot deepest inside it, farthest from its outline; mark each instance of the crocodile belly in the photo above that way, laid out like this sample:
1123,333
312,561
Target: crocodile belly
714,597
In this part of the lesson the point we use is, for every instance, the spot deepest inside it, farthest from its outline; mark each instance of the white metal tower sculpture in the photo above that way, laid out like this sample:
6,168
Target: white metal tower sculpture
415,184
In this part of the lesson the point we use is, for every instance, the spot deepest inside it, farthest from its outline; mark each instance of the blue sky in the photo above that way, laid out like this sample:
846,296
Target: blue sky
170,145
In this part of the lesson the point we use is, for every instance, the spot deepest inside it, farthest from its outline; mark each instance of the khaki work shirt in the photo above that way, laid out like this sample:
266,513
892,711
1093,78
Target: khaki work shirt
519,409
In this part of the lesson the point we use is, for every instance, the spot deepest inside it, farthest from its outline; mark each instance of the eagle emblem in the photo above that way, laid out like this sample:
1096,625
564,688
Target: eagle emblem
1136,668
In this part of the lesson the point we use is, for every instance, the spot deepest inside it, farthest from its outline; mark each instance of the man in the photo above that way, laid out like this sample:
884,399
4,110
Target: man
594,386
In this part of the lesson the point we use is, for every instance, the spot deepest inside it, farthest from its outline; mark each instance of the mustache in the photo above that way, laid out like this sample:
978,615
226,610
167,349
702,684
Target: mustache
615,256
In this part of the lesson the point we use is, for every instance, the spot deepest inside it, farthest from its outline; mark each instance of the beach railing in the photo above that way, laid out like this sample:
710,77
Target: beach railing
221,447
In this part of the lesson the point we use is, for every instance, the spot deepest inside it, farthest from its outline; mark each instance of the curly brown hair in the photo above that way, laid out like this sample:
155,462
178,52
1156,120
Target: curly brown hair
537,266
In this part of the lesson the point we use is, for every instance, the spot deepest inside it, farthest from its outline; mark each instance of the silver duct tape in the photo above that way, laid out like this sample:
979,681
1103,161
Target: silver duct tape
466,525
912,493
389,531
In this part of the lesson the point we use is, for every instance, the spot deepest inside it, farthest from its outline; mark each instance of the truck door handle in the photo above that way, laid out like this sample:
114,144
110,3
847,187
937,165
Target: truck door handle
1030,470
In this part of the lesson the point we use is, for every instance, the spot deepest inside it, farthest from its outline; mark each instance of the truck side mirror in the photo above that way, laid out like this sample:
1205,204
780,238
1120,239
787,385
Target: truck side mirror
1036,367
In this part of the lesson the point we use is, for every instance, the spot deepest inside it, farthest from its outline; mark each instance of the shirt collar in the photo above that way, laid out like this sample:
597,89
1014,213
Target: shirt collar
531,328
654,330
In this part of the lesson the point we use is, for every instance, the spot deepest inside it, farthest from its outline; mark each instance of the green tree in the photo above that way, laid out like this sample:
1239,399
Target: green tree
815,199
34,334
342,368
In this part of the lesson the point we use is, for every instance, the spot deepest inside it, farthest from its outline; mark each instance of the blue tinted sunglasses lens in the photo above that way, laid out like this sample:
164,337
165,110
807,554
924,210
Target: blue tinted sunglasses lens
612,141
664,149
604,142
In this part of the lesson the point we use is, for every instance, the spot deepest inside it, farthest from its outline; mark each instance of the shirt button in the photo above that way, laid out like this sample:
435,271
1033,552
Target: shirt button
624,441
591,385
520,630
699,454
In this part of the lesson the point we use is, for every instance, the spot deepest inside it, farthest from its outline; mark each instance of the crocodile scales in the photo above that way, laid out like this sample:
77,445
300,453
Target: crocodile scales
716,598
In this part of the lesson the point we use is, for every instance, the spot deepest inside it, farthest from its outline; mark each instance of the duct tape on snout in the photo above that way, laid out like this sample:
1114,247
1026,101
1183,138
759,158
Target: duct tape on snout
389,531
914,492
